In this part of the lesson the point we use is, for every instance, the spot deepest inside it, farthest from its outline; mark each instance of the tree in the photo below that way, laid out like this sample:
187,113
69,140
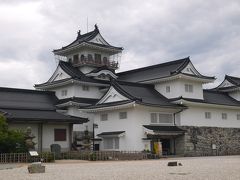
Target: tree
10,140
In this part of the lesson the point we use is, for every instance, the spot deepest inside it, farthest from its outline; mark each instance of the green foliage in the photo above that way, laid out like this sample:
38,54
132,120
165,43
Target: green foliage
47,156
11,141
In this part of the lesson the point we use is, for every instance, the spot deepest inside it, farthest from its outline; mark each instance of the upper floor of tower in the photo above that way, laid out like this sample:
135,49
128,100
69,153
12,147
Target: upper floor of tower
90,50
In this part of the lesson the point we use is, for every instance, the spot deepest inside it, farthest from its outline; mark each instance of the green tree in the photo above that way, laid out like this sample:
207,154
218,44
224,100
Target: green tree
11,140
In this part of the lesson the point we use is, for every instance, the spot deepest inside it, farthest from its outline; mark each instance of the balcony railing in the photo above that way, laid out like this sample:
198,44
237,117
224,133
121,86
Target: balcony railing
95,62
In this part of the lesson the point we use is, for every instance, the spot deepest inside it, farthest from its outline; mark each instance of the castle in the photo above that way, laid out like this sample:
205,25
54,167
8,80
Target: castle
159,106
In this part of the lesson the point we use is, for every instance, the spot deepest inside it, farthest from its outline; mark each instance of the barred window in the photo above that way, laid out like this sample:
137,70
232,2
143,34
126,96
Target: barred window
123,115
111,143
85,88
64,93
207,115
161,118
168,89
238,116
166,118
224,115
188,88
104,117
153,117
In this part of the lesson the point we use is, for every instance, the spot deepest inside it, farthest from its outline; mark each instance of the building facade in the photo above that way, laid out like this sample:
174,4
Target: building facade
163,105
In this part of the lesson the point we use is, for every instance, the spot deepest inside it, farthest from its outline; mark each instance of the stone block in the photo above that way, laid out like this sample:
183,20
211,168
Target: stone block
172,163
36,168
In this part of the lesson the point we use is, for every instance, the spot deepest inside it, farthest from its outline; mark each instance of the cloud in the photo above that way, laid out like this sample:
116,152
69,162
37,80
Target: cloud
151,32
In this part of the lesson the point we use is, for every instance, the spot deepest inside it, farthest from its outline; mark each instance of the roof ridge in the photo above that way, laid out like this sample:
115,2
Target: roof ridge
25,90
121,90
134,83
156,65
232,79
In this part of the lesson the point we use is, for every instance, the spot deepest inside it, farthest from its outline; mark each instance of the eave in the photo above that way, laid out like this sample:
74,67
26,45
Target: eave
180,76
67,82
183,101
68,50
71,104
109,108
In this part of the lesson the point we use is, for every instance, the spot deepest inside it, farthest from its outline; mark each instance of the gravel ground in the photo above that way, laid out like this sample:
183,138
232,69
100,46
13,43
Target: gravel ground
200,168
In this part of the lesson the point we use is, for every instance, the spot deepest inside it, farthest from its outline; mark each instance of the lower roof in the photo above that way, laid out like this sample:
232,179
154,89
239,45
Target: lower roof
164,128
22,115
213,97
112,133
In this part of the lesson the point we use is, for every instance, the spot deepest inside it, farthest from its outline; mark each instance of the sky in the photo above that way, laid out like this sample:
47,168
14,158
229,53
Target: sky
151,32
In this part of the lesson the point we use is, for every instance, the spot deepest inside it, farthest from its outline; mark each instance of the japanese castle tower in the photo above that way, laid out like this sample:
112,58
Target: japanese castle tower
85,68
162,107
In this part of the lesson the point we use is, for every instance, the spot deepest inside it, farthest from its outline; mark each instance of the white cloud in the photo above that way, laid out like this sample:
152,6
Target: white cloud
151,32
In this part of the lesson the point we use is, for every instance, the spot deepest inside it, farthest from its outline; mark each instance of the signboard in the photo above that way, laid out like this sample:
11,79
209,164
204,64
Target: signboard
33,153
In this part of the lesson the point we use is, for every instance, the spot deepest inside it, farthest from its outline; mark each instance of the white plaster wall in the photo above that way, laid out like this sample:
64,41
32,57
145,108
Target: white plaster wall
58,91
93,92
235,95
74,111
133,126
177,89
75,90
195,116
48,136
23,127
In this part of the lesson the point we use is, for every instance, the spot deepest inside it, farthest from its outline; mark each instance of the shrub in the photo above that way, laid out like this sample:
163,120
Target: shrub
11,141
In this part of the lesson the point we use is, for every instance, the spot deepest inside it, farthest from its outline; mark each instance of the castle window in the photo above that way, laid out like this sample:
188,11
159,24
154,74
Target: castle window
64,92
224,115
85,88
123,115
98,58
166,118
82,58
153,117
60,134
238,116
168,89
75,58
105,60
207,115
111,143
104,117
189,88
90,57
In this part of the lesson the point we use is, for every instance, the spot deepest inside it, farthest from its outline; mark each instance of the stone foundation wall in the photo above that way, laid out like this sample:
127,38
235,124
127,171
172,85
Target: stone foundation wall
199,141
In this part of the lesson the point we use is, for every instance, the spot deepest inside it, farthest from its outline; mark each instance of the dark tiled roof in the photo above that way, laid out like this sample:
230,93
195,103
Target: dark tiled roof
111,133
157,71
76,73
214,97
38,115
71,71
164,128
233,80
27,99
102,68
78,100
86,38
23,104
110,104
143,94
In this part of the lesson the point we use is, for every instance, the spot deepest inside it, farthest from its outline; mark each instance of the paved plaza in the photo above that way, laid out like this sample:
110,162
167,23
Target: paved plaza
199,168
